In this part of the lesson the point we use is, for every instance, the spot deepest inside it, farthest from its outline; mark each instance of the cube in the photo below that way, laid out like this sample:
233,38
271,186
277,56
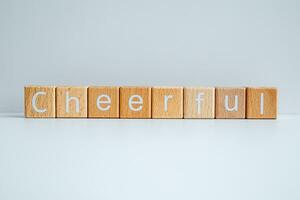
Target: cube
71,102
230,103
261,103
199,102
135,102
167,102
103,102
39,102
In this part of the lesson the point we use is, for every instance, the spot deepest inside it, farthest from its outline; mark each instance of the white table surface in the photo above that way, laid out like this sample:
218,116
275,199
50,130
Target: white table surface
149,159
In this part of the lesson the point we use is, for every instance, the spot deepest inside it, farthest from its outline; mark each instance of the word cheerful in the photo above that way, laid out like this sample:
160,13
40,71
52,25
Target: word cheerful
151,102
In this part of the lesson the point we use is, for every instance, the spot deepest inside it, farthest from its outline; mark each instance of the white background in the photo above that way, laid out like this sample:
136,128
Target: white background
94,159
154,42
157,42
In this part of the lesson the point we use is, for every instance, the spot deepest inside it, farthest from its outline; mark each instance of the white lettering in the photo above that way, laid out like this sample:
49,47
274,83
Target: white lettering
107,101
69,99
132,102
235,107
33,102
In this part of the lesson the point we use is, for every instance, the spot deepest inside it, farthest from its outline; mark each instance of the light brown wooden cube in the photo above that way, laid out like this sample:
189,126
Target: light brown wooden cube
135,102
261,103
167,102
103,102
199,102
230,103
39,102
71,102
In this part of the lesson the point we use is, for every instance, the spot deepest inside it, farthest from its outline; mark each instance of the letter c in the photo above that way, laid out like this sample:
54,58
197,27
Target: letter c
33,102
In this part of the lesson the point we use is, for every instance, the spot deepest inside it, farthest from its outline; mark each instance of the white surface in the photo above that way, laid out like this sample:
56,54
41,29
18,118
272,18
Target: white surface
149,159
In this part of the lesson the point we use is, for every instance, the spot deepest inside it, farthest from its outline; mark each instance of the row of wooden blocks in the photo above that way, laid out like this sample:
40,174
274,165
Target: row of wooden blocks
150,102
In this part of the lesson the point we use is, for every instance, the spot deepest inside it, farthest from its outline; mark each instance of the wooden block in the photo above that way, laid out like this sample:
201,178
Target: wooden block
103,102
39,101
230,103
167,102
71,102
135,102
261,103
199,102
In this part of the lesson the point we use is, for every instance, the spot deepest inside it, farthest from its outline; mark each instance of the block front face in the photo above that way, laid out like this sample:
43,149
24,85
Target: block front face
261,103
230,103
103,102
135,102
167,102
71,102
199,102
39,102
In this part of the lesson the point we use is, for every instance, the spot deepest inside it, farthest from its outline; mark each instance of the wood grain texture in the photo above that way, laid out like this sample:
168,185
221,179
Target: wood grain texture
199,102
44,104
222,112
262,103
136,109
170,108
67,107
98,94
